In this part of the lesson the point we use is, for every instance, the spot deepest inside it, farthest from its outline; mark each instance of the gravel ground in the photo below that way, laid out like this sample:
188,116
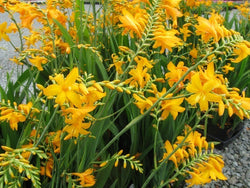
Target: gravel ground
236,155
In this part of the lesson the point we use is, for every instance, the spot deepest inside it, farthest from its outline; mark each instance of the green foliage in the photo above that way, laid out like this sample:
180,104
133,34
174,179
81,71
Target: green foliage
15,168
98,86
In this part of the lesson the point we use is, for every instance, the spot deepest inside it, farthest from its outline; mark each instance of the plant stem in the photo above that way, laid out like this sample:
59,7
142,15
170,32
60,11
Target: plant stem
47,127
19,32
205,129
155,139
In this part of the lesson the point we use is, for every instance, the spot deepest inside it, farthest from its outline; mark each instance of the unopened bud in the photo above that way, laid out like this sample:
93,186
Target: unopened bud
104,164
6,148
110,86
116,162
119,89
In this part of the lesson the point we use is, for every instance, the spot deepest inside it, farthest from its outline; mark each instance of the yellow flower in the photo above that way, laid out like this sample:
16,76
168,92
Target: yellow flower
211,28
26,154
171,106
242,50
63,46
244,101
117,63
32,38
176,72
196,179
213,169
140,77
86,178
56,140
143,104
144,62
244,9
206,29
4,31
207,2
12,28
74,118
37,61
25,108
54,13
177,157
47,169
133,23
207,74
62,3
206,172
216,18
93,94
28,109
239,105
192,3
168,105
12,117
169,149
202,92
193,141
202,171
64,89
172,3
27,13
171,10
226,68
184,30
76,129
194,53
166,39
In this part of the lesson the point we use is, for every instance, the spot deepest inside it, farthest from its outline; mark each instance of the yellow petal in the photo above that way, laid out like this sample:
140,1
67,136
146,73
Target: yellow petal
71,78
52,90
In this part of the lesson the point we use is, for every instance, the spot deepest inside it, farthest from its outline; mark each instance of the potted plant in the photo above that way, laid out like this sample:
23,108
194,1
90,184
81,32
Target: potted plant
224,128
227,127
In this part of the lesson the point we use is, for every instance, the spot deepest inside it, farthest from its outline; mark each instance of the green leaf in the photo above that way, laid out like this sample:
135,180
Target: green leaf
113,129
65,33
3,94
114,184
22,78
10,89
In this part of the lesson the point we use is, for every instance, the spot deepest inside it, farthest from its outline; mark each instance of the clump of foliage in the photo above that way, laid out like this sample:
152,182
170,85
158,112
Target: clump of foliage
113,96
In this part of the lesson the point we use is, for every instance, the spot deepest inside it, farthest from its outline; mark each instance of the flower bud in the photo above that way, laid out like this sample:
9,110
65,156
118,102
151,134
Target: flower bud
124,164
120,152
119,89
6,148
103,163
110,86
116,162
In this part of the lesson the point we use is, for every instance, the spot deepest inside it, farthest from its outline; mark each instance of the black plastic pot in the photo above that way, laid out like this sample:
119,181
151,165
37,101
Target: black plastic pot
223,136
